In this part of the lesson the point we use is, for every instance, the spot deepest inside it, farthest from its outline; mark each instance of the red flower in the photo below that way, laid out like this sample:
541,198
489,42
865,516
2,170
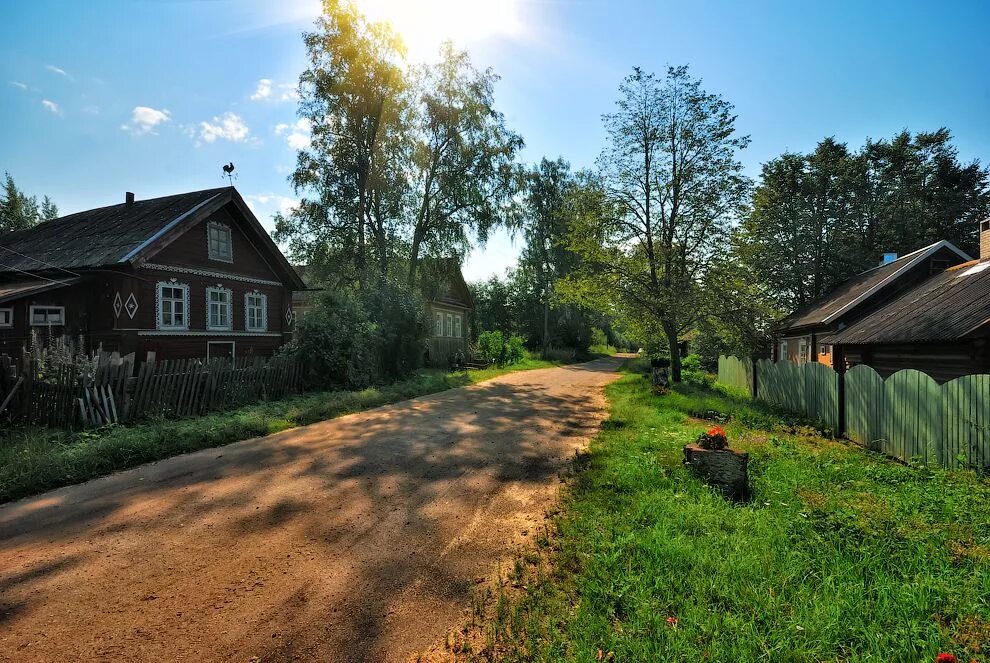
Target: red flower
672,621
716,431
945,658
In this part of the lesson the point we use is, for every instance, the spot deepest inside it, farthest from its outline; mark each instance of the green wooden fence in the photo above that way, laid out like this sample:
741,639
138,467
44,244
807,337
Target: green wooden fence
736,373
908,416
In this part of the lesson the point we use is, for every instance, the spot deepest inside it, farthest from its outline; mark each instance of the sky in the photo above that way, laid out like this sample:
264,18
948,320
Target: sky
154,96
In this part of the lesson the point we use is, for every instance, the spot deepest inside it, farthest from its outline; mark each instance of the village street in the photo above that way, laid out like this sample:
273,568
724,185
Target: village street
358,538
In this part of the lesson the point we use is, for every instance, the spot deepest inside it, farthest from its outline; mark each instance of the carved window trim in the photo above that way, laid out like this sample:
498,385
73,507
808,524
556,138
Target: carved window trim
159,322
218,288
263,305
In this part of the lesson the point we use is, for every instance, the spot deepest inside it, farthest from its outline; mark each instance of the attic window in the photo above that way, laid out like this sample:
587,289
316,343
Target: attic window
218,241
938,266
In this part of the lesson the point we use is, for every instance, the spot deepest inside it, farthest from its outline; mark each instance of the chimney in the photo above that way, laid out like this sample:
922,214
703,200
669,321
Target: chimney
985,239
888,258
129,198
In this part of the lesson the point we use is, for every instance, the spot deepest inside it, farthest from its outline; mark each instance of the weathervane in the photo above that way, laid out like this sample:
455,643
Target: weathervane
228,172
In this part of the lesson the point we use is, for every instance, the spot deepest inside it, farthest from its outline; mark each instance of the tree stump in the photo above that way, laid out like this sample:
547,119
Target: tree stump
726,469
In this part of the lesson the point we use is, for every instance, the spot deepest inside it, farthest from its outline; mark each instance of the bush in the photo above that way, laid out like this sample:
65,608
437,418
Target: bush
502,350
337,341
399,316
598,337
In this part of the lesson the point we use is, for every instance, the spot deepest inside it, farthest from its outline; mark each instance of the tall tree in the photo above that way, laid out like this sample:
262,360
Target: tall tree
817,219
671,183
19,210
356,98
463,175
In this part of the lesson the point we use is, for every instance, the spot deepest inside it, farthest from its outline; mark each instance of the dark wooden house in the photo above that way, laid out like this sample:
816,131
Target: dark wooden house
449,304
189,275
808,333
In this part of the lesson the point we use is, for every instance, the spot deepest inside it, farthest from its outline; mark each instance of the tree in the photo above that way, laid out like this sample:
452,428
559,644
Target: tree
19,210
355,96
463,175
818,219
670,182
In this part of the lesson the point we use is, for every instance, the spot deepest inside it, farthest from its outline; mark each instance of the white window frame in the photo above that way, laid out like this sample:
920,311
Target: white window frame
6,318
449,329
438,324
457,325
159,322
264,311
222,230
209,308
803,349
783,351
47,323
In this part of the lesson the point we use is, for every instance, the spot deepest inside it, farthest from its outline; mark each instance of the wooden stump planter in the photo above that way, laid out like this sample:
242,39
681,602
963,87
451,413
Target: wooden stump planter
719,466
726,469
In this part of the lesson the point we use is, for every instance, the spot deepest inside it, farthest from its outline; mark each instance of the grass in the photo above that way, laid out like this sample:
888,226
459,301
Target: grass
842,555
36,459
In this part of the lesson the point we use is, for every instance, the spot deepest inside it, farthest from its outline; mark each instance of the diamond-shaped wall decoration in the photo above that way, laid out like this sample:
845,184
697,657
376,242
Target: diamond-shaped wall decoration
131,306
290,316
117,304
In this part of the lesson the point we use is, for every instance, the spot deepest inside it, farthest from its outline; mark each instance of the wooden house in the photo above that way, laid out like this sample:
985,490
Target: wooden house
189,275
449,304
806,334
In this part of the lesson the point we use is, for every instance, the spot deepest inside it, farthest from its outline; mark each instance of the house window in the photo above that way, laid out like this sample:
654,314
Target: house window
173,306
803,350
457,326
47,315
782,354
439,325
6,317
255,312
823,350
449,329
984,225
218,308
218,235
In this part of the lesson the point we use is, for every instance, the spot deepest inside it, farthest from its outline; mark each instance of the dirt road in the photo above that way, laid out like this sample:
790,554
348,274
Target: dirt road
356,539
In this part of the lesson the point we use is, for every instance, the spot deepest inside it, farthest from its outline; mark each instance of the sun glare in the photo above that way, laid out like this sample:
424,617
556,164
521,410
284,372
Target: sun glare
425,24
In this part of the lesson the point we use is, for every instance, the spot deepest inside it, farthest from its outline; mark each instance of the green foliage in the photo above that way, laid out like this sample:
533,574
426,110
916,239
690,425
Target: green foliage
841,555
19,210
337,340
502,349
822,217
598,337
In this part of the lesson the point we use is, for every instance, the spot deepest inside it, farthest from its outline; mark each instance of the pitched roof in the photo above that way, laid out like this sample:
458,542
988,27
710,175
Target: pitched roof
121,234
947,306
854,291
96,237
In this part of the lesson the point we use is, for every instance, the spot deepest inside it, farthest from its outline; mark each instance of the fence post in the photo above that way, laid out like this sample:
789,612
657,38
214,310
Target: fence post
839,364
756,380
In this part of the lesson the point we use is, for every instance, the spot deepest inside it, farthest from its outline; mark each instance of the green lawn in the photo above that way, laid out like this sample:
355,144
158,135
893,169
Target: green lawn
842,555
33,460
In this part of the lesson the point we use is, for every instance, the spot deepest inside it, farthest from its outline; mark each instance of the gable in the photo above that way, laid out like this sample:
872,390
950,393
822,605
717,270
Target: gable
191,249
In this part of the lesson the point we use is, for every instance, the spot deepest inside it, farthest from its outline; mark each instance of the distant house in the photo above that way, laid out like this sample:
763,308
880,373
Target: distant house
808,333
189,275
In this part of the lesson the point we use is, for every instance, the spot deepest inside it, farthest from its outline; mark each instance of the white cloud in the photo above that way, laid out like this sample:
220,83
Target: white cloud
22,86
51,106
57,70
283,204
269,91
263,91
228,126
296,135
144,119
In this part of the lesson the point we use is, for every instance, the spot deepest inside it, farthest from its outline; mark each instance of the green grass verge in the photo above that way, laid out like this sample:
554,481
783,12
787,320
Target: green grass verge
842,555
36,459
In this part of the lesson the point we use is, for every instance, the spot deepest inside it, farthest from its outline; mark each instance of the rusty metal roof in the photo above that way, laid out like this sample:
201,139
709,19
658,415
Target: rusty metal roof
848,294
947,306
97,237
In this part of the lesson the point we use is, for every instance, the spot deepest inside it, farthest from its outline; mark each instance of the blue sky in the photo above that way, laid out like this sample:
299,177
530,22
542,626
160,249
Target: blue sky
102,97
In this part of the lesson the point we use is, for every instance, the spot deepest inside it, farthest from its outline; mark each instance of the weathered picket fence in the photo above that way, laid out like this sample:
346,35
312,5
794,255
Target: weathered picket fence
114,389
907,416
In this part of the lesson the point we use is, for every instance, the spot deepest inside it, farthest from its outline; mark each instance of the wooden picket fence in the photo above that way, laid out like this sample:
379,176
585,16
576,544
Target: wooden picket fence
114,389
907,416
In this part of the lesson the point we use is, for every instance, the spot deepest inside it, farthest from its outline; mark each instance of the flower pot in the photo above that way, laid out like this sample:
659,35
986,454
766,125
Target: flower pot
726,469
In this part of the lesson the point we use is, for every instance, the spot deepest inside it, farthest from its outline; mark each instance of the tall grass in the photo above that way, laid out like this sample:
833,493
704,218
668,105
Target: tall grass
842,555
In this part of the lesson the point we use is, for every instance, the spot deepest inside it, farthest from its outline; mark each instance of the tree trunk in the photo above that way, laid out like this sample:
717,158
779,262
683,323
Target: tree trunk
414,258
546,327
675,352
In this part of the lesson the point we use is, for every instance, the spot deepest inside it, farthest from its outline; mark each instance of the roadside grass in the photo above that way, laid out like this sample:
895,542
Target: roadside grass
841,555
36,459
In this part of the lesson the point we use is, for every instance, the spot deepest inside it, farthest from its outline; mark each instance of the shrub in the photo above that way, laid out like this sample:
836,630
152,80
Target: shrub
337,341
502,350
399,317
598,337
